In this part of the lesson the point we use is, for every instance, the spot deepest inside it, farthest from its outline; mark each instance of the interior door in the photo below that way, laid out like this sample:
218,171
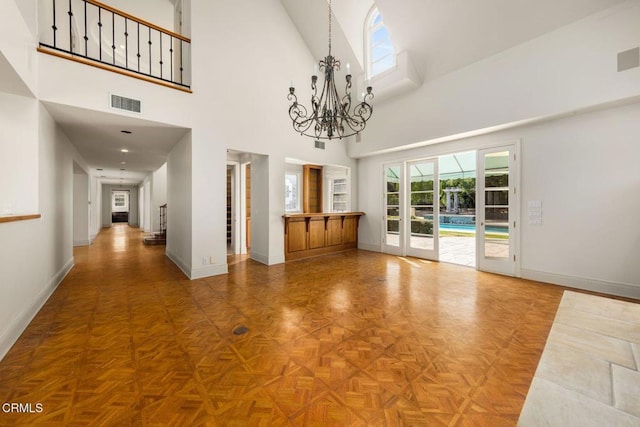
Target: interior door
496,210
422,200
393,238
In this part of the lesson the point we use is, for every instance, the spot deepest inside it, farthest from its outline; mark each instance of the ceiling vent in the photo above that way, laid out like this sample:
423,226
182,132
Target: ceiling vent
128,104
319,144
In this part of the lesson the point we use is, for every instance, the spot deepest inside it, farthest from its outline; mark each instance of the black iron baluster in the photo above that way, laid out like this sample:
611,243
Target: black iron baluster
126,44
171,57
138,47
86,39
100,32
113,36
54,23
181,68
70,28
160,34
150,73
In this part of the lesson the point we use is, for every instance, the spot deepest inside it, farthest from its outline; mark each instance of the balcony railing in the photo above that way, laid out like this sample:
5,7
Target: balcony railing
99,33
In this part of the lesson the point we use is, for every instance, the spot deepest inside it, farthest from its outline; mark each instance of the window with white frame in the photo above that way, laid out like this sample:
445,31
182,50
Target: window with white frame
292,192
379,50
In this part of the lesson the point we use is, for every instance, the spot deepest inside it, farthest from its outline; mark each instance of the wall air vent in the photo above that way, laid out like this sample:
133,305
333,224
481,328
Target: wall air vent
629,59
128,104
319,144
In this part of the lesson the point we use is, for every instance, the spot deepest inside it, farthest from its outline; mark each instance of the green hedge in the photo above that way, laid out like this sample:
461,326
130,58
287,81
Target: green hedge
418,225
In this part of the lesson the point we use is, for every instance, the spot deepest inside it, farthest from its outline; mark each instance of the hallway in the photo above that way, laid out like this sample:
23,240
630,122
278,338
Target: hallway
358,338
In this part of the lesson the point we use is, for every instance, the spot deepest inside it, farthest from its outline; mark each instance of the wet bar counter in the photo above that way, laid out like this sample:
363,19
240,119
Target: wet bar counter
312,234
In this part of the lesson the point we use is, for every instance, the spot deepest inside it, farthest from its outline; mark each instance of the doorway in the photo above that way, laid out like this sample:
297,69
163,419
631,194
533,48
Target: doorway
459,208
119,206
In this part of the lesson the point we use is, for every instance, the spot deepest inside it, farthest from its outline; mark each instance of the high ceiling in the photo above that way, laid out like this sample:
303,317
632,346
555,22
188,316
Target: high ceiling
441,36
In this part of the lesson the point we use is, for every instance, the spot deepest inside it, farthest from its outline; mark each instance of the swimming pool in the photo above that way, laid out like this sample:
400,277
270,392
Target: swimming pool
471,228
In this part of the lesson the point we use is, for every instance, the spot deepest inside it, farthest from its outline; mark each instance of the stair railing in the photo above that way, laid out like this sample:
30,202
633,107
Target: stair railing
98,32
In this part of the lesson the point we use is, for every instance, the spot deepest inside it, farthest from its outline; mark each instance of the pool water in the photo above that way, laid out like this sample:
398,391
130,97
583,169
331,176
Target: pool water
469,228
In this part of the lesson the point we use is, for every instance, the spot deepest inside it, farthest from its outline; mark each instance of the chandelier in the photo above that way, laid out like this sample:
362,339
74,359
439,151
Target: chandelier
331,116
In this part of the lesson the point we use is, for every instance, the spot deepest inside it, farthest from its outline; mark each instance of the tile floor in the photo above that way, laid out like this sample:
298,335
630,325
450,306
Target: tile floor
588,374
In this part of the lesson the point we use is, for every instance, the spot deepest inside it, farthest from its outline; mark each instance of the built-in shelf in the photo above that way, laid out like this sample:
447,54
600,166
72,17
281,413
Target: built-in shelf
12,218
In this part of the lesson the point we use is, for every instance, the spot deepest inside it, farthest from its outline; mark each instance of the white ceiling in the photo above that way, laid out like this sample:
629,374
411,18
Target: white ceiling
98,138
440,35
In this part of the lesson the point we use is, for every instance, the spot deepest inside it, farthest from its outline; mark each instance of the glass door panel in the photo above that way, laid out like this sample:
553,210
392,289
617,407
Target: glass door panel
393,214
497,217
422,198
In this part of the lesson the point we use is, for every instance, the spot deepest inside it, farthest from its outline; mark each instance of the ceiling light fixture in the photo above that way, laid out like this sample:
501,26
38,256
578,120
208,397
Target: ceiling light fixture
126,131
331,116
124,150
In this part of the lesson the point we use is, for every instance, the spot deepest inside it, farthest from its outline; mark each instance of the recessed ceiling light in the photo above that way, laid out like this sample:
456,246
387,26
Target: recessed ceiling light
124,150
99,169
122,169
126,131
123,163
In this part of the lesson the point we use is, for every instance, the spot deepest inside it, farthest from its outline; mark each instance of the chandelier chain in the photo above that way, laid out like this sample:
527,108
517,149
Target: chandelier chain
329,2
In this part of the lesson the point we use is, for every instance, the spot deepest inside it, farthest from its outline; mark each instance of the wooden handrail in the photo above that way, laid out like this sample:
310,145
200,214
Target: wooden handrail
142,21
13,218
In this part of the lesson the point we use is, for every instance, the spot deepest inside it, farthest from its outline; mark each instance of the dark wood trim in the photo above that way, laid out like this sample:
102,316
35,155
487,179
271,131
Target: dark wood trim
142,21
110,68
14,218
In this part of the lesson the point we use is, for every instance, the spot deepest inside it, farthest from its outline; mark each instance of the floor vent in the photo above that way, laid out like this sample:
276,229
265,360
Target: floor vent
127,104
320,144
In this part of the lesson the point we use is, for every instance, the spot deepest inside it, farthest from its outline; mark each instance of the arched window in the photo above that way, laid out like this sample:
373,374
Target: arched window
379,48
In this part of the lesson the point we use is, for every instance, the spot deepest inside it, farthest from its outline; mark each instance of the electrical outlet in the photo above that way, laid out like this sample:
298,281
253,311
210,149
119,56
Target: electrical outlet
204,261
211,260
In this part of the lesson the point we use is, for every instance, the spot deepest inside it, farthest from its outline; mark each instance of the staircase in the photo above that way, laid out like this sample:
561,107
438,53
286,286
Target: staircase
159,238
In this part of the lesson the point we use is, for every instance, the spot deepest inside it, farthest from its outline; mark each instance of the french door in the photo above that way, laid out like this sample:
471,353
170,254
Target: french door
496,210
393,236
422,201
411,200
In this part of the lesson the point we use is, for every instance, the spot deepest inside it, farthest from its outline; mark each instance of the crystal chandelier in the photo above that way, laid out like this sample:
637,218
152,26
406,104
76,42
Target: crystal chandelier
332,116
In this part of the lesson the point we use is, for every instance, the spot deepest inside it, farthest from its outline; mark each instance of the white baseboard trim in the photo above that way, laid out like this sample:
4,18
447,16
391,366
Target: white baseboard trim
369,247
186,269
197,273
595,285
209,270
261,258
20,323
81,243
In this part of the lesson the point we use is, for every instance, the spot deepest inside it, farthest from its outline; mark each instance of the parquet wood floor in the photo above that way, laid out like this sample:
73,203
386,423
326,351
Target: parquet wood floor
359,338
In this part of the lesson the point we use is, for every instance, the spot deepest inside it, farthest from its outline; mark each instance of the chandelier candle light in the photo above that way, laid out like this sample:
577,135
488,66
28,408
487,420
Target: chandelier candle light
331,115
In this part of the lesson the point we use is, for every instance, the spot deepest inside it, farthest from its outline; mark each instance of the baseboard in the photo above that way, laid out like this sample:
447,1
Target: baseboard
81,243
261,258
186,269
595,285
17,327
197,273
209,270
369,247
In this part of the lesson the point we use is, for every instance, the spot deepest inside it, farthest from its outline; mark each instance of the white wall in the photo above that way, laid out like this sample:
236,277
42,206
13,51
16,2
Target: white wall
80,207
569,69
158,195
179,208
584,170
41,250
18,148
